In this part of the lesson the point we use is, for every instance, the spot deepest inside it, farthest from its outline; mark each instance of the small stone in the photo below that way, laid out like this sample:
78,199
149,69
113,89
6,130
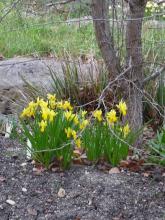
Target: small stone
33,162
10,202
61,193
32,211
90,202
2,179
86,172
23,164
114,170
146,174
24,189
35,169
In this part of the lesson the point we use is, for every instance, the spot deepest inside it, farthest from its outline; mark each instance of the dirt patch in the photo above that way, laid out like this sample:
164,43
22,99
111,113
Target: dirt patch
89,193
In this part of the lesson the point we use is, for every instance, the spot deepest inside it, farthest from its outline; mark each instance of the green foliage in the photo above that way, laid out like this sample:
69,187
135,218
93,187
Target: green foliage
93,140
42,36
157,147
21,35
79,87
153,7
102,141
49,131
107,138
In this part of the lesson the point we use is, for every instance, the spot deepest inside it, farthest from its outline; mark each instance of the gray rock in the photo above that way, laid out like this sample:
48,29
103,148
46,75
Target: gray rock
35,71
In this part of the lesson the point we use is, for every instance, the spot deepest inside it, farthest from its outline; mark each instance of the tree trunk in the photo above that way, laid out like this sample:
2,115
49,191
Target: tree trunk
100,10
134,57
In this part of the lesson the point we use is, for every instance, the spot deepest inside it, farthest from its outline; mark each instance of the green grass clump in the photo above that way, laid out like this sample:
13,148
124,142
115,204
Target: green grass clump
20,36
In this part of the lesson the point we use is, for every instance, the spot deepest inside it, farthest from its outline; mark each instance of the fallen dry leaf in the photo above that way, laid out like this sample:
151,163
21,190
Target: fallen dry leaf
132,165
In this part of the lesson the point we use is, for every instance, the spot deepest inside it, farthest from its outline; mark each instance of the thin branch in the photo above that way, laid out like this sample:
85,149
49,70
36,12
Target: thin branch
102,96
153,76
61,3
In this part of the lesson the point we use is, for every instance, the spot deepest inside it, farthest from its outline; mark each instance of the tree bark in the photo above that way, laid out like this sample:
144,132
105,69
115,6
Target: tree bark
100,10
134,57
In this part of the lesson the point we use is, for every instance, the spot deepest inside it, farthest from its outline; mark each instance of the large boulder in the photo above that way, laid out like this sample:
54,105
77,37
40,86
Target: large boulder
35,71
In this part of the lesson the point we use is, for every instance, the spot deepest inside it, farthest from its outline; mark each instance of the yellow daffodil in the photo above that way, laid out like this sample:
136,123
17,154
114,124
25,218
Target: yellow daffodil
51,97
29,111
83,113
52,114
70,133
74,134
69,115
126,130
52,100
67,106
42,103
98,115
48,114
64,105
111,116
122,107
75,120
42,125
25,113
84,124
45,113
78,142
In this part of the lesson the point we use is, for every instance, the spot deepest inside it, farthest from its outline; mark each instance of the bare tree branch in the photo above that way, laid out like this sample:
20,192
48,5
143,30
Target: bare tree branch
153,76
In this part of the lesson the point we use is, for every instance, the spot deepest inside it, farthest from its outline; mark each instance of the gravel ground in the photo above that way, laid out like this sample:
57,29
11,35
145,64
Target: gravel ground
90,194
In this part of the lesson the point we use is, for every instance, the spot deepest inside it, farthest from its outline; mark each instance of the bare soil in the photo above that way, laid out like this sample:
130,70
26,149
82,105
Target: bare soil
89,193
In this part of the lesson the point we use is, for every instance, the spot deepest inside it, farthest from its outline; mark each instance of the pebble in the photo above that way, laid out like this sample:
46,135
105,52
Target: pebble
23,164
10,202
24,189
114,170
61,193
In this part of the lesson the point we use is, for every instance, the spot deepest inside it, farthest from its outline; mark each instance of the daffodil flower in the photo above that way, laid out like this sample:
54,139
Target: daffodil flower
111,116
126,130
98,115
42,125
122,107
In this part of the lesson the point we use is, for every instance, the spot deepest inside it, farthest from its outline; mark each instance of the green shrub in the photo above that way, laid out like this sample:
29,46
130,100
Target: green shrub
157,146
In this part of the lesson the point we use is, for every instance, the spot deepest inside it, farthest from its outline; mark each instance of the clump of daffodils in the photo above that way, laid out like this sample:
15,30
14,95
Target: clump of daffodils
113,117
108,137
45,112
54,129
